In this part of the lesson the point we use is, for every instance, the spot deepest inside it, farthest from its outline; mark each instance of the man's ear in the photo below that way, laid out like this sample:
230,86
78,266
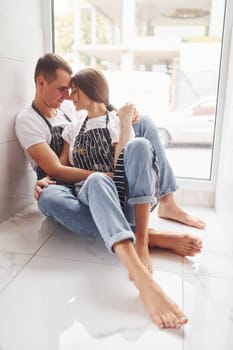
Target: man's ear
40,81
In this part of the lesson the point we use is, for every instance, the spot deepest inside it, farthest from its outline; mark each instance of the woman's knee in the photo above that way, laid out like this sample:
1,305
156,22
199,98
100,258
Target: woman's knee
139,147
97,180
143,126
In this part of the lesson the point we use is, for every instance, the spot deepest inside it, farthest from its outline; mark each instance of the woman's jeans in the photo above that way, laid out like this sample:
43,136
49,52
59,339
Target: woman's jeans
146,128
96,209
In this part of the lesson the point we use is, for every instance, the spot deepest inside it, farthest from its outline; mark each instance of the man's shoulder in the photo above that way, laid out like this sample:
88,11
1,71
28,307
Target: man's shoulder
27,112
27,121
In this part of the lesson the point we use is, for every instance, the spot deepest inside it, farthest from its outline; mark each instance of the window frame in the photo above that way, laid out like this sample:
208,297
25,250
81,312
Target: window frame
205,186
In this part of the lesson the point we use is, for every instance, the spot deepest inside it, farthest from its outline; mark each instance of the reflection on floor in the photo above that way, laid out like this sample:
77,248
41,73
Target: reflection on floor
63,292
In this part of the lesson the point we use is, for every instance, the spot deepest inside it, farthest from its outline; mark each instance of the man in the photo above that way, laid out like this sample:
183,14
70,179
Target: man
39,129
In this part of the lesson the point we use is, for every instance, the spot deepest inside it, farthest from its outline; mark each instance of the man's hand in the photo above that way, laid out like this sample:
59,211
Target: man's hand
40,184
109,175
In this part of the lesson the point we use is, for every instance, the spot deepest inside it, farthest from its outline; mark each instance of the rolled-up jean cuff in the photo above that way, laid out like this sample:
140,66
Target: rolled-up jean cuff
163,194
119,238
141,200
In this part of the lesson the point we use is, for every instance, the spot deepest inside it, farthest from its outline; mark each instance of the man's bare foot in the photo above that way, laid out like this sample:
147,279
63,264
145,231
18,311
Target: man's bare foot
162,310
168,209
181,244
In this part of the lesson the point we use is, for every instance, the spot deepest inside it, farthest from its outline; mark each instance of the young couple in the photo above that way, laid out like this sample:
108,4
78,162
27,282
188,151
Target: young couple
110,171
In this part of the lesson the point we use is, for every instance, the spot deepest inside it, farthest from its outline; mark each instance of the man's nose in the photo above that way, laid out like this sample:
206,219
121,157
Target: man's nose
66,95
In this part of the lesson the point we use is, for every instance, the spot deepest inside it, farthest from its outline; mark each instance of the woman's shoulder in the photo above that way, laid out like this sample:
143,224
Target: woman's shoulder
114,120
74,126
97,122
113,115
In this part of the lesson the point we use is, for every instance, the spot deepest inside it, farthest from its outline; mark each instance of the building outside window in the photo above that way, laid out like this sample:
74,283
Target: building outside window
163,55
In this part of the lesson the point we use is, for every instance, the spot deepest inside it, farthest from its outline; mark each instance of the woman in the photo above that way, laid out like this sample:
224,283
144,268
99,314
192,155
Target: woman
96,142
102,142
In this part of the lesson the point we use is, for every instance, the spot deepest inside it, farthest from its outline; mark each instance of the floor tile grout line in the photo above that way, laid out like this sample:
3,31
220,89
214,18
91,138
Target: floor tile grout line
28,261
182,276
14,252
78,260
221,276
120,265
182,282
13,278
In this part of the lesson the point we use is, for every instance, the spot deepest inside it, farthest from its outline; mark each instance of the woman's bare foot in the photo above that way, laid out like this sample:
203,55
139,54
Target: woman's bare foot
144,256
168,209
162,310
181,244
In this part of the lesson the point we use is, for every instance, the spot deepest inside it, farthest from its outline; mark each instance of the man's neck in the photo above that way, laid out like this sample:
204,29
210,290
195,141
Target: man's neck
44,109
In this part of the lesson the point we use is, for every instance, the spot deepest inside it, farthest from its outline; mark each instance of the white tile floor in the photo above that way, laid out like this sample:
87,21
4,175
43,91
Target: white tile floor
62,292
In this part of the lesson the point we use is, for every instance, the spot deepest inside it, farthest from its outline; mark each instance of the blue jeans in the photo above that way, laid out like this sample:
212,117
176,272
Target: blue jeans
142,176
146,128
96,209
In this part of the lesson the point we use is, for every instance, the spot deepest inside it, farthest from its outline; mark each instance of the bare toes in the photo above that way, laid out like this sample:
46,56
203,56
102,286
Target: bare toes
182,321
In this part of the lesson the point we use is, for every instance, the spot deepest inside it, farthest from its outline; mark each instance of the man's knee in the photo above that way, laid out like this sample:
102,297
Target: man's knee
44,200
49,197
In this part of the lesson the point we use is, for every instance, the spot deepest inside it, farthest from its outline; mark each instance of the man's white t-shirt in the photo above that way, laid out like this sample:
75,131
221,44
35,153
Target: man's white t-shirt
31,129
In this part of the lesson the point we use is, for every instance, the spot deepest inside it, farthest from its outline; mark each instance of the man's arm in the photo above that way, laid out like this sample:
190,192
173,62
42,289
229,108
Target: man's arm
64,157
47,160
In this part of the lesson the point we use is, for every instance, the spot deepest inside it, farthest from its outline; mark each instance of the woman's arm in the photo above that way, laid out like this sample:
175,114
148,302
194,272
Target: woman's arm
126,115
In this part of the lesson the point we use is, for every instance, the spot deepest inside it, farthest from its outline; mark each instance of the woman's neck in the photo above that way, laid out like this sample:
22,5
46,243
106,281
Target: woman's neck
96,110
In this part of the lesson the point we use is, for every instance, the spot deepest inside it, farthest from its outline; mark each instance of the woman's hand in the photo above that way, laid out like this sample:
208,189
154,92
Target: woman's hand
127,113
40,184
136,116
129,108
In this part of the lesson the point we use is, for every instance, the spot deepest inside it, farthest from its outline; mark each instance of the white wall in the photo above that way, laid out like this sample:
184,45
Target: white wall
224,190
21,39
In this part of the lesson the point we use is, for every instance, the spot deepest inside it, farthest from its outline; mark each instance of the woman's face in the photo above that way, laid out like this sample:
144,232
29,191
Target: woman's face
80,100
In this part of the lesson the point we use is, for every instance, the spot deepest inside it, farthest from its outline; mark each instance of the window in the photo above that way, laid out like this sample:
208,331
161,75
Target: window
162,54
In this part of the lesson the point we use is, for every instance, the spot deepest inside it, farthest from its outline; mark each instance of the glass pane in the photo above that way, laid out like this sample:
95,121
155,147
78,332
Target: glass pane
164,55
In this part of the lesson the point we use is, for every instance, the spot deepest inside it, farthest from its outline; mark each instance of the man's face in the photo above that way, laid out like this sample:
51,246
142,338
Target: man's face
55,92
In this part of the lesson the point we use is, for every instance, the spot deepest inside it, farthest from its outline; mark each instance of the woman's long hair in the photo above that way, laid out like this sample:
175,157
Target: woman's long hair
94,84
